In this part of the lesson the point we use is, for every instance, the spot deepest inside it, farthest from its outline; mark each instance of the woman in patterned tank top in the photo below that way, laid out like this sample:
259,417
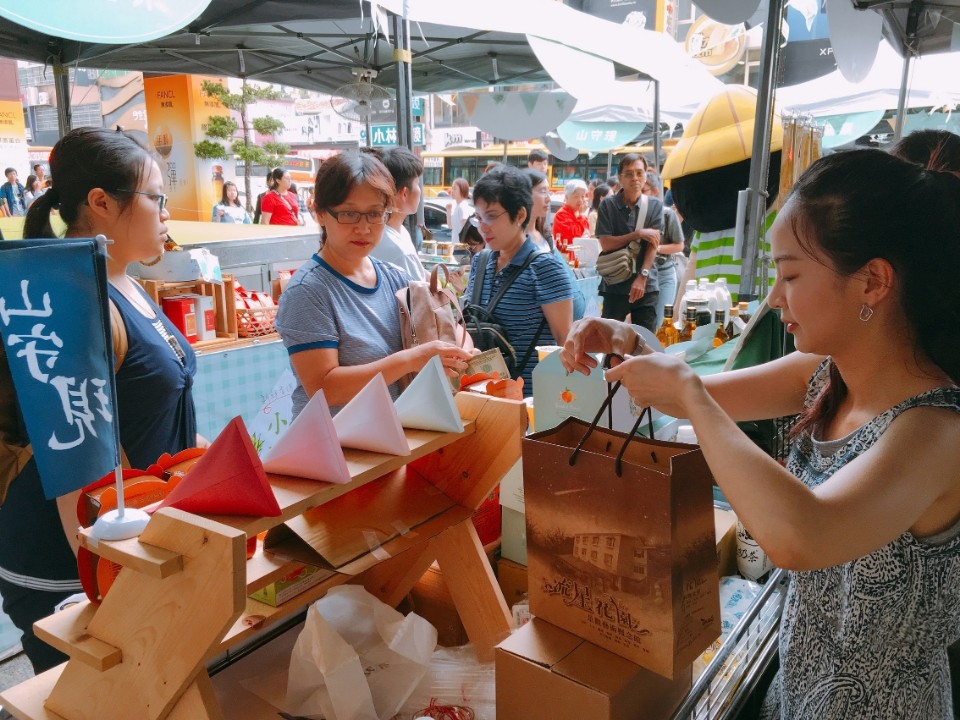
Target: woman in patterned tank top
866,515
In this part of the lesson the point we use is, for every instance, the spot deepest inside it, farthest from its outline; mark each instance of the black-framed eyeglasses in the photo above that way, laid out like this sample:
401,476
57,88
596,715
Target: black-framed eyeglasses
352,217
159,197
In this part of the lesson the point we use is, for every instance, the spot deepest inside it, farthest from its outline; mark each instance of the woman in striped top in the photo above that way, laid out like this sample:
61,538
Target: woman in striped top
537,309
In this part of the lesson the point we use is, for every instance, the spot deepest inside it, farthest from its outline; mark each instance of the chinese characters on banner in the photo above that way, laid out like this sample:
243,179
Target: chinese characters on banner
56,337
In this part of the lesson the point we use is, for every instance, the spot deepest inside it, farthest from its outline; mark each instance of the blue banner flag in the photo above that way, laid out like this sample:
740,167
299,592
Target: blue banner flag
55,326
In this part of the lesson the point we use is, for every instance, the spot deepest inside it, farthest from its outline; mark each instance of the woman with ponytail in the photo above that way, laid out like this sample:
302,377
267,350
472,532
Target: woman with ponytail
866,513
107,184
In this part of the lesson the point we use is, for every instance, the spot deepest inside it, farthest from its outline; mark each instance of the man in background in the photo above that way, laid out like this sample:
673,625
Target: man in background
396,246
11,194
538,160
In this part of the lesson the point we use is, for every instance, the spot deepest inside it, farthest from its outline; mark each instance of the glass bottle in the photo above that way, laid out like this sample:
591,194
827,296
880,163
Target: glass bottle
689,325
667,333
744,312
733,328
721,337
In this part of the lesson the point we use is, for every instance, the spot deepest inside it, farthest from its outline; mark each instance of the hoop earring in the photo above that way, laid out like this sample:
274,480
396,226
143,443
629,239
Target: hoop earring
866,312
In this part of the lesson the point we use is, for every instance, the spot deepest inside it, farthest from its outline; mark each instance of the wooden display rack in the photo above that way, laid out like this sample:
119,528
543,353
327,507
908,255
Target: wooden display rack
224,303
181,597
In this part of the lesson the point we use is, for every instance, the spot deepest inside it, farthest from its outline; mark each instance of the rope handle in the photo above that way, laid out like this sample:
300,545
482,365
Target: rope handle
607,404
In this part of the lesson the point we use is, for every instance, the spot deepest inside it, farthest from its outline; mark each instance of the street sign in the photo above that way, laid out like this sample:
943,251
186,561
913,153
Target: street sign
386,135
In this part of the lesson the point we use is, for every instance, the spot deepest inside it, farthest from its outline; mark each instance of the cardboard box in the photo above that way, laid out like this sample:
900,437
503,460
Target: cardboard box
513,525
544,673
182,311
725,522
206,318
511,487
513,535
512,578
291,585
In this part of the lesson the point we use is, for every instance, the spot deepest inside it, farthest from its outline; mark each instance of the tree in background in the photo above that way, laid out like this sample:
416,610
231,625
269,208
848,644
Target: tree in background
222,128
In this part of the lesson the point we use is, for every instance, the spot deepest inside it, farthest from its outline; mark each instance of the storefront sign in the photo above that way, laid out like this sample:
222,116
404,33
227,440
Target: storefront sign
386,135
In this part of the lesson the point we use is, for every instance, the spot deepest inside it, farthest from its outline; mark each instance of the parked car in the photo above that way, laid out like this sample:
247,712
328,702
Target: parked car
435,218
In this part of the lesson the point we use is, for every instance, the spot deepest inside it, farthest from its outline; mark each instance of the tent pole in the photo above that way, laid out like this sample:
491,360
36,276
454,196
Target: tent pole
403,57
61,85
656,126
753,201
902,97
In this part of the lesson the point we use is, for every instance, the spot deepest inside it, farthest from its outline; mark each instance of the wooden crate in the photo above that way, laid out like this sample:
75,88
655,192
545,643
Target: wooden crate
224,303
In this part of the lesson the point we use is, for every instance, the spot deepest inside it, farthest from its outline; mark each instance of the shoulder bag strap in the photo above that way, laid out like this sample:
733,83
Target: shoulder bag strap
642,212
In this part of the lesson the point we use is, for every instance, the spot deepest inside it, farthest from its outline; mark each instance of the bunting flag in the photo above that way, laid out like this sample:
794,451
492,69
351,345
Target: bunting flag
54,323
517,115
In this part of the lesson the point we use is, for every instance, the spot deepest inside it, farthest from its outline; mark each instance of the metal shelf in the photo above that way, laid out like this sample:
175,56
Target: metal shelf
734,672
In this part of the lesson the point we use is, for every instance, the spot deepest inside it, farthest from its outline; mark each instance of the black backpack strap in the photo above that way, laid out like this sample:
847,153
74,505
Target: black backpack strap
482,258
500,292
533,343
509,281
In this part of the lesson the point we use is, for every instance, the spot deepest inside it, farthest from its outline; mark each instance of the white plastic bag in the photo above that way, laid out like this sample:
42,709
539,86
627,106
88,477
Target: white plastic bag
357,658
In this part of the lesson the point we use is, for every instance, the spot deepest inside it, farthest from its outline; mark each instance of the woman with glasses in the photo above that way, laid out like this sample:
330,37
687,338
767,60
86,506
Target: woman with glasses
338,316
107,184
537,308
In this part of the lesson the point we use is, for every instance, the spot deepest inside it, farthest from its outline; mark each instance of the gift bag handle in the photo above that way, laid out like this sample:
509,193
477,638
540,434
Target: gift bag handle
608,405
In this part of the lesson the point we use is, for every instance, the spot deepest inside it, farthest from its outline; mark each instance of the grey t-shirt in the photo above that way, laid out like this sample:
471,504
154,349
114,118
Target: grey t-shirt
320,308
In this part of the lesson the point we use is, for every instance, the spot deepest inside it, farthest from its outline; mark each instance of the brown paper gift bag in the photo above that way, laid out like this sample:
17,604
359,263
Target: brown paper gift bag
620,542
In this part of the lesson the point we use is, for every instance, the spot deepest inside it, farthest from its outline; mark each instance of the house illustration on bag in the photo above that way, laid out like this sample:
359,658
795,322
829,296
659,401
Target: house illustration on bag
623,559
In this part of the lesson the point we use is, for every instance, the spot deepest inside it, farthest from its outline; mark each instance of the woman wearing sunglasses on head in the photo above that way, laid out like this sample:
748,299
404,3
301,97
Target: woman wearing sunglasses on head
107,184
338,316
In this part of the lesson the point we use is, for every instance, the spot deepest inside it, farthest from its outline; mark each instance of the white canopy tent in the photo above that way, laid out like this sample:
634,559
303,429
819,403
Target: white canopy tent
880,89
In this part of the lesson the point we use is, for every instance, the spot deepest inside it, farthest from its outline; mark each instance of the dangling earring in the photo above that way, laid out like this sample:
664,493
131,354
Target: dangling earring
866,312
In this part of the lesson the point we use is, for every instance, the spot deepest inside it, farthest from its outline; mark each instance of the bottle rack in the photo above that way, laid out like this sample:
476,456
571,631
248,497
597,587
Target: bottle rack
181,597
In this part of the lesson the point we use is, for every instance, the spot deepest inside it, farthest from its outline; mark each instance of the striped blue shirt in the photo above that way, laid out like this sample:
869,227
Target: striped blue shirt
320,308
542,282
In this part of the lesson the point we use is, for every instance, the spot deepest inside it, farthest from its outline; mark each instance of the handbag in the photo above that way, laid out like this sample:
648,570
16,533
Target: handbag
620,541
620,265
429,311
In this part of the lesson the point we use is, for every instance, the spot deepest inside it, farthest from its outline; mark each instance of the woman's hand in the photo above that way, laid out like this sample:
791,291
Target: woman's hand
664,381
453,358
595,335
